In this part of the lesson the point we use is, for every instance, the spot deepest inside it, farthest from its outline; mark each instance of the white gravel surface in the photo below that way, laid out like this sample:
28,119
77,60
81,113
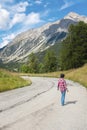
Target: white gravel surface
38,107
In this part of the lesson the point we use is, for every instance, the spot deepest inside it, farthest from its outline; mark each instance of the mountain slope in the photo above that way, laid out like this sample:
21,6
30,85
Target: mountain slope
38,40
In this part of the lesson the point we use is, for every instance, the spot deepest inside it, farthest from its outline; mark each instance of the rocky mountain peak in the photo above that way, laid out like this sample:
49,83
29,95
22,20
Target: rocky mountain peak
38,39
76,17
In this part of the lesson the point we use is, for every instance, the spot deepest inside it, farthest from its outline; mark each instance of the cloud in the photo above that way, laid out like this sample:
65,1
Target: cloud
20,7
4,43
32,18
5,1
6,39
4,18
12,15
45,13
45,5
18,18
66,4
16,15
52,19
38,2
0,6
25,20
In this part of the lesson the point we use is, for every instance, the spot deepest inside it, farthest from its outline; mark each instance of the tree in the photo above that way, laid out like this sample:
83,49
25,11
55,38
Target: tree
41,68
24,68
74,47
33,63
50,61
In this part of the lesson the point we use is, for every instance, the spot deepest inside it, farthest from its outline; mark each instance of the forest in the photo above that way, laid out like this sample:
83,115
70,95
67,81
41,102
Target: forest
72,53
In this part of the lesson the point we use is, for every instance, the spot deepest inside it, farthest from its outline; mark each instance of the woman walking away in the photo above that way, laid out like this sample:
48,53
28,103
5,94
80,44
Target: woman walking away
62,87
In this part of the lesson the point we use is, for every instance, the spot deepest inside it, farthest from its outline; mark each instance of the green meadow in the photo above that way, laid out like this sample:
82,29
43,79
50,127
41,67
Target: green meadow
77,75
9,80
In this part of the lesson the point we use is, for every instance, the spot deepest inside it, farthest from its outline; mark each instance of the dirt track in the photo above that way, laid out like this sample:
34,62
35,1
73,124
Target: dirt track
38,107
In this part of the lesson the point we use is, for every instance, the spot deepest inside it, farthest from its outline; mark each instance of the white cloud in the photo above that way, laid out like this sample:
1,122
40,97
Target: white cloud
4,43
46,5
66,4
32,18
25,20
4,18
45,13
20,7
52,19
12,15
4,1
0,6
6,40
9,37
38,1
7,21
18,18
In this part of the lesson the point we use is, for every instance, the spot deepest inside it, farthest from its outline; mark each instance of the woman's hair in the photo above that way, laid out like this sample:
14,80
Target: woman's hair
62,75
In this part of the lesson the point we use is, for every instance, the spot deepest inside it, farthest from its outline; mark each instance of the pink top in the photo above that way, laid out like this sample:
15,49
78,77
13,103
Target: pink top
62,84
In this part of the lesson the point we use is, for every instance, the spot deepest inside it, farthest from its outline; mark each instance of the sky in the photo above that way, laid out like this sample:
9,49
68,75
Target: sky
17,16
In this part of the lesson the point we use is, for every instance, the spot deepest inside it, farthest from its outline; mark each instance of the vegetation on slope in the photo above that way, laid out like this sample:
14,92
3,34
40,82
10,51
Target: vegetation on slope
73,55
10,81
69,54
74,47
78,75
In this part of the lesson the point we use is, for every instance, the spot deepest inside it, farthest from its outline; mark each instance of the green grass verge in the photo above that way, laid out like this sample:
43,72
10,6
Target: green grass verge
9,81
77,75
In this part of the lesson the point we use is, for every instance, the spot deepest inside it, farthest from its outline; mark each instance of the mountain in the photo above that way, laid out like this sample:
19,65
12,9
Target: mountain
38,39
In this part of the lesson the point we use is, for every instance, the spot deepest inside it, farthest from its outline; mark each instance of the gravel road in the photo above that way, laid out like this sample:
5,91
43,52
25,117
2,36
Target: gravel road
38,107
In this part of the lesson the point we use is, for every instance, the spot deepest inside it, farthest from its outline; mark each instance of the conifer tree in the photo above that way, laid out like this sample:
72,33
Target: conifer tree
50,61
74,47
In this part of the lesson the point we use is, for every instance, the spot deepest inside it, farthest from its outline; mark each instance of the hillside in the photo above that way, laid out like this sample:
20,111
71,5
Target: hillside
78,75
39,39
9,81
56,48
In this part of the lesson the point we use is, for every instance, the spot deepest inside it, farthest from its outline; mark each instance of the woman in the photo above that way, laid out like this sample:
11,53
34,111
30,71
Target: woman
63,87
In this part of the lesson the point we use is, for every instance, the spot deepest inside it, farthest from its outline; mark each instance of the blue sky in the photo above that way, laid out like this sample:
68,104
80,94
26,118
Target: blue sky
17,16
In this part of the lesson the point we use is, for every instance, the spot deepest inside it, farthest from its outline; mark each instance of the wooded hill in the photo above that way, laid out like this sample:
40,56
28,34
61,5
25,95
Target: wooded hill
71,53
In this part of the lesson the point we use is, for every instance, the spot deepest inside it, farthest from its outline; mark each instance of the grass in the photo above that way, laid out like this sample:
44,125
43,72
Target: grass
9,81
77,75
